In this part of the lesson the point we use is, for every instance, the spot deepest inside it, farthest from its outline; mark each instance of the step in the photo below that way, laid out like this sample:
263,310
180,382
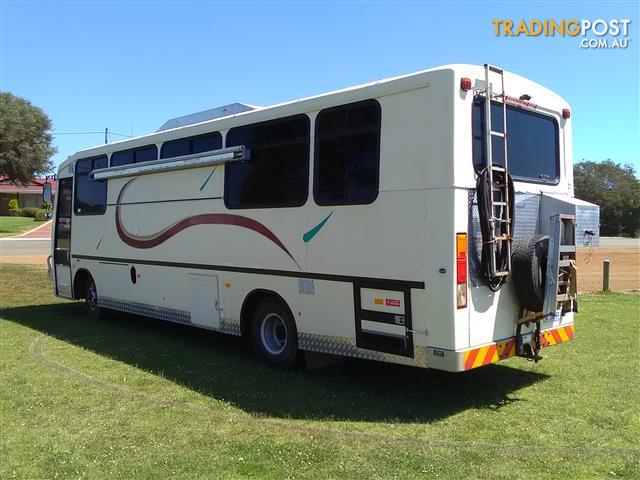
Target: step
500,274
497,134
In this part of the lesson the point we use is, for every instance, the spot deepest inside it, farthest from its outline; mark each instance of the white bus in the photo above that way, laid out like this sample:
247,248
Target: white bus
392,221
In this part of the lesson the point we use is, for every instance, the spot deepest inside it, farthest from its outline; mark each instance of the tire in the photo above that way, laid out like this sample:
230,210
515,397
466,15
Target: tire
274,335
91,300
528,270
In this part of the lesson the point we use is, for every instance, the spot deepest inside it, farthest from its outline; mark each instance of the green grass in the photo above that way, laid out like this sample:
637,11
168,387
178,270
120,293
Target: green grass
136,398
16,225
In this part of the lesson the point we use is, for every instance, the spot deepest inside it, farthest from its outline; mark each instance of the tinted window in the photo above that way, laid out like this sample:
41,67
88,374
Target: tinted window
187,146
176,148
145,154
65,200
137,155
278,173
347,154
532,142
90,195
121,158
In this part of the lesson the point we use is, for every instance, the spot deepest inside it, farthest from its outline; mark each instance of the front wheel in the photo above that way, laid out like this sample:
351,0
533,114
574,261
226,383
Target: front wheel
91,300
274,334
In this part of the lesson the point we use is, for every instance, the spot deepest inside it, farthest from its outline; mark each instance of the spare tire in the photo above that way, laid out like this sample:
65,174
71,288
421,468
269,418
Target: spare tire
529,269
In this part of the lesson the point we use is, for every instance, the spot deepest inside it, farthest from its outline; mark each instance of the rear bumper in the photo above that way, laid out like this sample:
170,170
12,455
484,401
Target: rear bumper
463,360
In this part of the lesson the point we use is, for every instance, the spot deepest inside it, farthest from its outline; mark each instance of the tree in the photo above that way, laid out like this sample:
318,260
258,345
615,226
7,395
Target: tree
25,140
616,189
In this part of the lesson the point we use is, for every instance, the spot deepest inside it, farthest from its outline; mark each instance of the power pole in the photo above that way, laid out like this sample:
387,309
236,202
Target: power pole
106,132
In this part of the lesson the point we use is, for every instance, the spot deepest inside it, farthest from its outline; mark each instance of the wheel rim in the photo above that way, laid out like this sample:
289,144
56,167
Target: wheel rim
273,333
92,297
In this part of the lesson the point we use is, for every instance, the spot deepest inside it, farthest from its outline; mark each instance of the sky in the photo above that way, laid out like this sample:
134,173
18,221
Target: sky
132,65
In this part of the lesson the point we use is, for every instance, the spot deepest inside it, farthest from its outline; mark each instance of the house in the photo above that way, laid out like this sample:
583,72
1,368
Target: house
29,195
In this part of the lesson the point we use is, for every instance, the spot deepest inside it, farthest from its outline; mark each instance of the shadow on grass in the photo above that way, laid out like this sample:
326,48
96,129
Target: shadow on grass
223,367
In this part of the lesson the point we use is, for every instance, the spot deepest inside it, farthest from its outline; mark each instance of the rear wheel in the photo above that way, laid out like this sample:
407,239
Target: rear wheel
91,300
274,334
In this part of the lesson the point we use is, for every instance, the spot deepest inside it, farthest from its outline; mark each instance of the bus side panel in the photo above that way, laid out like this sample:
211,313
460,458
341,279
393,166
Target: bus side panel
446,214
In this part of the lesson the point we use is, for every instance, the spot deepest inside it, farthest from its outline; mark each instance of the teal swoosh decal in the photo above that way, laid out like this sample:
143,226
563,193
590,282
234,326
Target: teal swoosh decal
207,180
306,238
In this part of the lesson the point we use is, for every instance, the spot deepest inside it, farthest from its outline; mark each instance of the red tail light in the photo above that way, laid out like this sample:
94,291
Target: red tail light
465,84
566,113
461,273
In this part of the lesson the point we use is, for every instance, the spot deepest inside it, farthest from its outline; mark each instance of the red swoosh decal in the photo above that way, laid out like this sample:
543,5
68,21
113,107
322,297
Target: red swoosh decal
153,240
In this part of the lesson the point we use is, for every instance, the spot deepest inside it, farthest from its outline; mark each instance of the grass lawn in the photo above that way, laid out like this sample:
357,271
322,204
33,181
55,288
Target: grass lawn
136,398
15,225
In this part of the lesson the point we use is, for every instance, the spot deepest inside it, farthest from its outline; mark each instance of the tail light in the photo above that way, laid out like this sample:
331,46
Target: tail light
566,113
465,84
461,270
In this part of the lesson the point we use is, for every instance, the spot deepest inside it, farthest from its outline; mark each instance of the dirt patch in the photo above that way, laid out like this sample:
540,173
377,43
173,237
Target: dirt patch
625,269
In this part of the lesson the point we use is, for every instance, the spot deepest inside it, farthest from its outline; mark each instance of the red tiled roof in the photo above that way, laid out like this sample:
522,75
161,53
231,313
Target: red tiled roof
35,186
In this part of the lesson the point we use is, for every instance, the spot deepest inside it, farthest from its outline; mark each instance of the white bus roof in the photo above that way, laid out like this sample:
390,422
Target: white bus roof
317,102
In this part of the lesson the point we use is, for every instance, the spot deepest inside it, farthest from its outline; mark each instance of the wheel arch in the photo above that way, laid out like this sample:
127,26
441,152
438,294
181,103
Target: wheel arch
80,280
251,302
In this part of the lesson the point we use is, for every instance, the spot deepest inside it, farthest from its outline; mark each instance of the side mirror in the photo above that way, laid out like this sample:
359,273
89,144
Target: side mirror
46,193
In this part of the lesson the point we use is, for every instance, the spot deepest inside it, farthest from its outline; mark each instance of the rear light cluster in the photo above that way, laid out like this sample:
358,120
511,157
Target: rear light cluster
461,270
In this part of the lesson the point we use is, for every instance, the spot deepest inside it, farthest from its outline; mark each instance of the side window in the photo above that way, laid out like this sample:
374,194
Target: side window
65,200
145,154
187,146
121,158
278,173
347,154
136,155
175,148
90,195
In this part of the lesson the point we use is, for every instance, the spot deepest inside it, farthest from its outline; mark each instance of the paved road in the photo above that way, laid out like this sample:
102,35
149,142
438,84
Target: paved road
619,242
19,247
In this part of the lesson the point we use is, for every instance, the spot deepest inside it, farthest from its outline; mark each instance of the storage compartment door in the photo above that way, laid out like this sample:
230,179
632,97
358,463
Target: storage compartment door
205,305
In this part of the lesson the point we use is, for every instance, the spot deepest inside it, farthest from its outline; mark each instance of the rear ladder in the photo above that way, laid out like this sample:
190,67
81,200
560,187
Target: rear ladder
560,287
500,224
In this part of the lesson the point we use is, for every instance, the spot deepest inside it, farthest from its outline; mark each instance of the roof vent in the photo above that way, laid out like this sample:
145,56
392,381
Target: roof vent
205,115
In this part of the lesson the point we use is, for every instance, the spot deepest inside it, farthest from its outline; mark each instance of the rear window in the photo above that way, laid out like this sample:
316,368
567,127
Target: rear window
532,142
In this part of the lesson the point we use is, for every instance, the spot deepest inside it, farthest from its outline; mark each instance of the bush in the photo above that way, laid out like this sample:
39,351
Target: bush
15,212
32,212
13,204
40,215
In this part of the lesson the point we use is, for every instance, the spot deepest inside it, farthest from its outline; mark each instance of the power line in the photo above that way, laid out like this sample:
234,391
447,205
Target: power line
91,133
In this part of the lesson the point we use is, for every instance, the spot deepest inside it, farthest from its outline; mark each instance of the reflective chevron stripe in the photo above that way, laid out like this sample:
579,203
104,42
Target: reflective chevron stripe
495,352
556,336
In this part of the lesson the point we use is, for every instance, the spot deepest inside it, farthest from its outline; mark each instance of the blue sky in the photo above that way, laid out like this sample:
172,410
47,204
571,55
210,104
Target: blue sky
132,65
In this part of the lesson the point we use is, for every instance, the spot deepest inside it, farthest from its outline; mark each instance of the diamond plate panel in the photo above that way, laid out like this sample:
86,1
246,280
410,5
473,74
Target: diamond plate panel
525,223
231,327
318,343
347,347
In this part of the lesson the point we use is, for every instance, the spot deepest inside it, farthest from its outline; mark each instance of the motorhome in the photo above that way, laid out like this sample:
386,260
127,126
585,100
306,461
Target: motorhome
425,220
